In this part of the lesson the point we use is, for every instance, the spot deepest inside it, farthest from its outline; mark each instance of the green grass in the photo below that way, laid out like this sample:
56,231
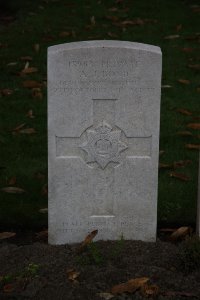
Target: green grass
41,22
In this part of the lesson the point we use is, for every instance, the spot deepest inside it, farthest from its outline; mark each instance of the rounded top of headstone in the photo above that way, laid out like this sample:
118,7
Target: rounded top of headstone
105,44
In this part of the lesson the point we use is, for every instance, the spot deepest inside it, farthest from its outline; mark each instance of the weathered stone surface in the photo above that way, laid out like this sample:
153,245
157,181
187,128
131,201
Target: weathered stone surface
103,133
198,203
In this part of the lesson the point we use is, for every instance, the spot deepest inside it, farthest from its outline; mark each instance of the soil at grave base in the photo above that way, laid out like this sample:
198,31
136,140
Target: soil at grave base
116,262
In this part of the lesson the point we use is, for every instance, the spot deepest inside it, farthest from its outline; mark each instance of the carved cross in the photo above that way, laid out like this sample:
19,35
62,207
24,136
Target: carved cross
103,142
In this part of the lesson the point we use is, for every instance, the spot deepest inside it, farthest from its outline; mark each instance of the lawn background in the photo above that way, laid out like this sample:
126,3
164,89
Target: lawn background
28,28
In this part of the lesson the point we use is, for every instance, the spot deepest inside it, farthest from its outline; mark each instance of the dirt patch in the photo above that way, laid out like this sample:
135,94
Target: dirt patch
39,271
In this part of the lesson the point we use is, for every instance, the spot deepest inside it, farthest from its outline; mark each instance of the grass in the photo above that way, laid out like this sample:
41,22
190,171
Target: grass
24,156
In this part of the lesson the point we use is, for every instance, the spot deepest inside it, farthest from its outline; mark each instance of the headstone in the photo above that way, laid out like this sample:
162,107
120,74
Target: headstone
103,133
198,203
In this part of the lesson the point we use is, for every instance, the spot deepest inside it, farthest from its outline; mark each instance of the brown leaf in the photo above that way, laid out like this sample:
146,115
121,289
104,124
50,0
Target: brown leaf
42,235
179,27
29,70
184,81
8,288
184,111
113,9
166,86
6,92
37,93
111,34
187,50
137,21
19,127
26,58
72,275
64,34
185,133
6,235
182,163
194,126
90,237
150,290
112,18
179,176
43,210
31,84
30,114
195,67
172,37
165,166
198,89
36,47
12,180
193,146
12,190
167,230
27,131
180,233
130,286
44,191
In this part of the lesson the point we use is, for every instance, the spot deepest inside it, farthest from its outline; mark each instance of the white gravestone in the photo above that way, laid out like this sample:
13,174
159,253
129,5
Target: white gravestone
198,204
103,133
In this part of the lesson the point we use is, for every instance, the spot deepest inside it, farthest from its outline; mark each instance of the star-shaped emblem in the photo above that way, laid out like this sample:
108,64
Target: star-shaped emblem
103,145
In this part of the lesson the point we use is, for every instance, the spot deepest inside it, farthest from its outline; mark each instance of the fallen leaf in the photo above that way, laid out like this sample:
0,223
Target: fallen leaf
172,37
12,180
111,34
184,81
6,92
184,111
42,235
8,288
113,9
44,191
179,27
30,114
29,70
31,84
137,21
182,163
194,126
185,133
43,210
27,131
187,50
12,190
179,176
150,290
37,93
166,86
72,275
106,296
64,34
87,240
167,230
11,64
6,235
19,127
26,58
36,47
165,166
193,146
130,286
92,20
112,18
195,67
198,89
161,152
180,233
